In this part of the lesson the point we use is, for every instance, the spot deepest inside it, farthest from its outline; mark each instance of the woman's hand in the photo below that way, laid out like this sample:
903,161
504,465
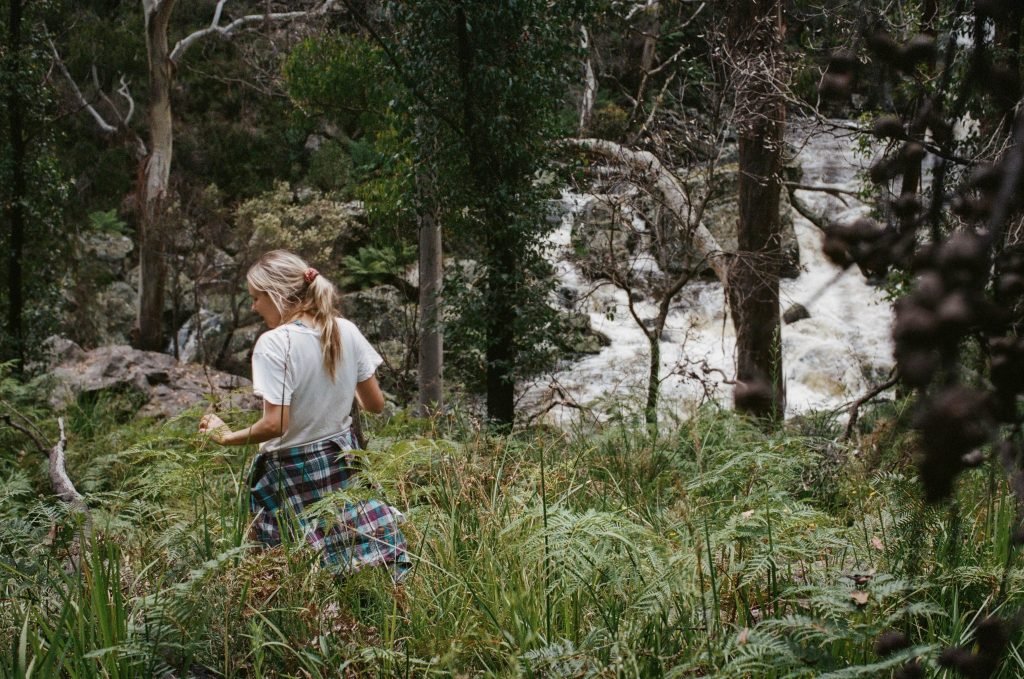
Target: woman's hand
214,427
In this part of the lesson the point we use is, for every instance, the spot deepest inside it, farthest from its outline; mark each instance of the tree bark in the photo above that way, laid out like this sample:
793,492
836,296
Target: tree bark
589,85
155,175
15,207
431,335
753,290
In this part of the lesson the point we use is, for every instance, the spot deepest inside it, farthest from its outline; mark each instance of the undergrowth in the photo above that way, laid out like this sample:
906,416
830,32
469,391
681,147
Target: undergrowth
711,550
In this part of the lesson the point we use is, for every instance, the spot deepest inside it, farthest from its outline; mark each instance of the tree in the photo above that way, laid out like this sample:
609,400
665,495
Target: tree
31,189
754,33
488,78
156,156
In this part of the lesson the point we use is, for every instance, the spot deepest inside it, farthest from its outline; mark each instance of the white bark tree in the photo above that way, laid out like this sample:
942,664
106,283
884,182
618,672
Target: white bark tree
155,158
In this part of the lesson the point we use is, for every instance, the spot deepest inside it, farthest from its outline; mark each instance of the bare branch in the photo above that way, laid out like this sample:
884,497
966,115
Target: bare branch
106,127
872,393
226,31
40,445
126,93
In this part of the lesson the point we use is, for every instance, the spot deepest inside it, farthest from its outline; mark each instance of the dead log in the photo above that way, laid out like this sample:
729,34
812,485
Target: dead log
653,172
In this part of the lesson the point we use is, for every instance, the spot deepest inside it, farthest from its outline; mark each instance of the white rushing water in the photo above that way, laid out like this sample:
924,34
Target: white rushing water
828,359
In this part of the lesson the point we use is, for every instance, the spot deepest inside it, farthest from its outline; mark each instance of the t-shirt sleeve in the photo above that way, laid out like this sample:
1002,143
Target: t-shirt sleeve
366,357
270,379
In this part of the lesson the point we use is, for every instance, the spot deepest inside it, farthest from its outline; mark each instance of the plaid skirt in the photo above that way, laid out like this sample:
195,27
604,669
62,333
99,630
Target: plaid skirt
348,536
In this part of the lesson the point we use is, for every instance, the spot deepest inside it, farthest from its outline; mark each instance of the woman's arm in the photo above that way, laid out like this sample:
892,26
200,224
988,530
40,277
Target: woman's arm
274,423
369,395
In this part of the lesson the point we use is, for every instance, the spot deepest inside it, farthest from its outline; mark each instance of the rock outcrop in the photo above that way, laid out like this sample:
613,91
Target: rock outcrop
163,385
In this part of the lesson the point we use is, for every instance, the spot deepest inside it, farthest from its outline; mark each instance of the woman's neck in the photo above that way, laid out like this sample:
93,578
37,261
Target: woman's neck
304,318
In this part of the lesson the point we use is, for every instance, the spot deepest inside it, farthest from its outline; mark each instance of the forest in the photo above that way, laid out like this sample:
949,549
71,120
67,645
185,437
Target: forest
685,338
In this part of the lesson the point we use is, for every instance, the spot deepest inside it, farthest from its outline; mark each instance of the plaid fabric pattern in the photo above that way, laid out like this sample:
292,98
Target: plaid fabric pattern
353,535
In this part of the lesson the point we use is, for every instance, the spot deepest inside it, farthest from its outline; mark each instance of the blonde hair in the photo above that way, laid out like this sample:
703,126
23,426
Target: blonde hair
283,276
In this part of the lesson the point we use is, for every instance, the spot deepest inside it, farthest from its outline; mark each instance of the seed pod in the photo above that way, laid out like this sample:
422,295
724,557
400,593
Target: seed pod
836,85
1009,285
987,177
963,259
883,46
907,205
955,314
912,670
918,367
929,291
918,50
843,61
754,396
991,636
883,169
973,459
890,642
971,208
942,129
914,325
888,127
912,152
837,250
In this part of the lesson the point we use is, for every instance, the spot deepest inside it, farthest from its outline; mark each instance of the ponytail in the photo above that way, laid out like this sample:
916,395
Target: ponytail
296,288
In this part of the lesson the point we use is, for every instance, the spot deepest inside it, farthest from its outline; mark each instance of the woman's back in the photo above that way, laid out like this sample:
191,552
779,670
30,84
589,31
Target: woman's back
288,369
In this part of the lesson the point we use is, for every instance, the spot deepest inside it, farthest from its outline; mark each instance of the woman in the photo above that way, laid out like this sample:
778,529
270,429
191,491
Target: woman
308,368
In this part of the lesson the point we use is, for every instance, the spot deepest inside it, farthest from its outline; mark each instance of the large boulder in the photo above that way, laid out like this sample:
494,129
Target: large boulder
162,385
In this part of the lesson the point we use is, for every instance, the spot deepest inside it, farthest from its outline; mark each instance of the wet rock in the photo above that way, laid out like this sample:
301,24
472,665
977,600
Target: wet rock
163,385
381,313
114,313
581,338
107,251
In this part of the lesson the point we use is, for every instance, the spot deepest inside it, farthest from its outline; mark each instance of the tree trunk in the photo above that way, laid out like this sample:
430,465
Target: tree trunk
589,85
154,177
501,251
15,206
910,183
753,290
431,335
653,377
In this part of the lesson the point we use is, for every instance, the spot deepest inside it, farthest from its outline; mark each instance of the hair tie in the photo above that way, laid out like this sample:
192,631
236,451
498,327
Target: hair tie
310,274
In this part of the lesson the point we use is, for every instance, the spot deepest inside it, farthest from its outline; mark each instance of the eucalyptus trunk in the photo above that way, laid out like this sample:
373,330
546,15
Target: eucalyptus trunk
154,178
431,335
755,37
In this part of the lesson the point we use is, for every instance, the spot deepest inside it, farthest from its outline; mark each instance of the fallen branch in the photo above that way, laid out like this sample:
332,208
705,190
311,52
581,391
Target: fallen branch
805,211
654,172
59,479
872,393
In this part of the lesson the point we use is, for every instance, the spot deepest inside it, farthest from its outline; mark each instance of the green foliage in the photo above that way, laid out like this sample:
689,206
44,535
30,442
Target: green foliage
107,222
330,168
372,266
32,186
341,77
700,553
486,81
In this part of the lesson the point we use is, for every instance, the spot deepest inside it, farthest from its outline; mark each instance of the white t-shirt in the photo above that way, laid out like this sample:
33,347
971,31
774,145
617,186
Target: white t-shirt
320,407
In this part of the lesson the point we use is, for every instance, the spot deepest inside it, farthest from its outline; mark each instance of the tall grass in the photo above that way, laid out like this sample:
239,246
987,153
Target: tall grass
711,550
